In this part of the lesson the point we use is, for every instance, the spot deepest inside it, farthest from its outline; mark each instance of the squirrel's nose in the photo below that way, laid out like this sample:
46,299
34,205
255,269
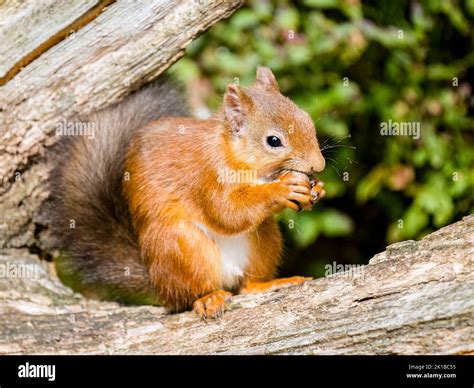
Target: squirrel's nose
318,164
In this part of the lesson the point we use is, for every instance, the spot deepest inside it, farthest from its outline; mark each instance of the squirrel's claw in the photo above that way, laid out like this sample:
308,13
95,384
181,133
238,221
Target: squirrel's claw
212,305
317,191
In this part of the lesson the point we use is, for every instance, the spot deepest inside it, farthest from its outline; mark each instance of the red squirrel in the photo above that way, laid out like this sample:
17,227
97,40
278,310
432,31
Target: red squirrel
145,209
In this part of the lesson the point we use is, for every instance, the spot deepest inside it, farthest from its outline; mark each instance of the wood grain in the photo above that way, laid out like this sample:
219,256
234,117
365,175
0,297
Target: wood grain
414,298
29,28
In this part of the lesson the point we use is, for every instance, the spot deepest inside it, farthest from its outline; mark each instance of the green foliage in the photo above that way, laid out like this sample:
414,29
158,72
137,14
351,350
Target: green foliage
306,227
353,66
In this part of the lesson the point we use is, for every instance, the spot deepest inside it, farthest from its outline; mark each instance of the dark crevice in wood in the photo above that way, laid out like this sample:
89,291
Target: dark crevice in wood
36,249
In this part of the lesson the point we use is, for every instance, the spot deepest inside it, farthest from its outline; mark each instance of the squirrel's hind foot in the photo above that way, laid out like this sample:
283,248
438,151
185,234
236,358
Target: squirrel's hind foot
212,305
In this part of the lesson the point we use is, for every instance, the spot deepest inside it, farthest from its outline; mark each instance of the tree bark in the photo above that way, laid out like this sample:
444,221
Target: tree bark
414,298
64,58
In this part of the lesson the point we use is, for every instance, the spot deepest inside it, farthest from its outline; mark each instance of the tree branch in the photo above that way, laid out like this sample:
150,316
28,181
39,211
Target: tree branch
414,298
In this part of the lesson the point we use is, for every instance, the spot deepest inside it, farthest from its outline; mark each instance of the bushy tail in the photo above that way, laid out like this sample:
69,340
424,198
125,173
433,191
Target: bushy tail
87,212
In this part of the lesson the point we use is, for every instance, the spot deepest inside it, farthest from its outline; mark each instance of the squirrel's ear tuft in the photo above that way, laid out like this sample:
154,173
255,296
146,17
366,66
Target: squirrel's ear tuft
265,77
236,106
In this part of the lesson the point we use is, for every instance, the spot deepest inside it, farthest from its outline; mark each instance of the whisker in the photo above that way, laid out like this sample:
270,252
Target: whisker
334,167
325,141
351,160
334,140
334,160
338,145
340,156
325,115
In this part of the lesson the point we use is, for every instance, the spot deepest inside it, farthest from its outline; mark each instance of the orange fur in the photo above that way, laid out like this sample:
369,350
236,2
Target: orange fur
252,287
175,194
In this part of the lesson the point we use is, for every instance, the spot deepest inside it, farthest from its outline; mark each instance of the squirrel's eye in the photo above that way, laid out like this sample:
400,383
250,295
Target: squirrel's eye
274,141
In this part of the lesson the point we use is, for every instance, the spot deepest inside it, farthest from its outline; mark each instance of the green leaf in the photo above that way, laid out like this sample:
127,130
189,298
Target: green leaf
245,18
287,18
321,3
306,228
336,223
414,220
370,186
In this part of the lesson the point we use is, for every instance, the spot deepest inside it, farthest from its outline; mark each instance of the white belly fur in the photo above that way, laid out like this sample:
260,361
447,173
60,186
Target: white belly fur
234,255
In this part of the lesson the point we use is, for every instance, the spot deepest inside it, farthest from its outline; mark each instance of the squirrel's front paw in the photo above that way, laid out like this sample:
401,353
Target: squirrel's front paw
294,191
212,305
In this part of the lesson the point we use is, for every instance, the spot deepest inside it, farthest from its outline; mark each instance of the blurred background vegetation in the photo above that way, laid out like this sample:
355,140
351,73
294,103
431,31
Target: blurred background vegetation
353,65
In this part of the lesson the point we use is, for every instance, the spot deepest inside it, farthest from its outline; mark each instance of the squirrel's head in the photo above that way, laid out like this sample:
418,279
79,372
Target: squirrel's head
268,131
